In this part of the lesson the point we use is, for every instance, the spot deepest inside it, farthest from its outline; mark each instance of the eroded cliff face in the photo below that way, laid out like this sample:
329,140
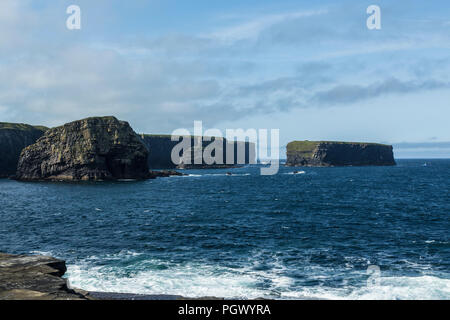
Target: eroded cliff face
161,147
101,148
14,137
331,153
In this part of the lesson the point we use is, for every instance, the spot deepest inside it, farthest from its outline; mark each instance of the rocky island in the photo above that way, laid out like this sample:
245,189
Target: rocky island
14,137
334,153
101,148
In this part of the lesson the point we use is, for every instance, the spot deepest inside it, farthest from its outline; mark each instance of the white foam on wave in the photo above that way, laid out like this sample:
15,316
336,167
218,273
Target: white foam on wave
196,279
189,280
295,172
389,288
227,174
41,253
215,175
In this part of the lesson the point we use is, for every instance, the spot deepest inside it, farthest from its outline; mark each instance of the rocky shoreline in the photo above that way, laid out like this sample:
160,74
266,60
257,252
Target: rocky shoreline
37,277
25,277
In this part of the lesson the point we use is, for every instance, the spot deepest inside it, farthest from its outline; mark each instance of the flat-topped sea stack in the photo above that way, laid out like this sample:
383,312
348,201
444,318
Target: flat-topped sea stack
161,147
14,137
100,148
334,153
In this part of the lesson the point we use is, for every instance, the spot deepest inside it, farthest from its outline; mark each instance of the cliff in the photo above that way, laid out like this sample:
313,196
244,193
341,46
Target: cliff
14,137
161,146
332,153
34,278
101,148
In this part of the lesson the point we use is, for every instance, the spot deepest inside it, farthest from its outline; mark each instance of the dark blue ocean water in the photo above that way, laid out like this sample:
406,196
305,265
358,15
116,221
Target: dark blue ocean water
309,235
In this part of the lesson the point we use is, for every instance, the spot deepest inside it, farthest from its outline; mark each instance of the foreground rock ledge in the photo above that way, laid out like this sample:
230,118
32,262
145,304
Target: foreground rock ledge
24,277
34,278
92,149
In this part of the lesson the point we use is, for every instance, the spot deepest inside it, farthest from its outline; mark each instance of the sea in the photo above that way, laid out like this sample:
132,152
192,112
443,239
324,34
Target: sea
305,233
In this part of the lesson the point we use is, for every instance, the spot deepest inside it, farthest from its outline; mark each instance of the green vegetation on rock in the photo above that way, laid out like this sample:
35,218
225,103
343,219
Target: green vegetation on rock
20,126
98,148
310,145
338,153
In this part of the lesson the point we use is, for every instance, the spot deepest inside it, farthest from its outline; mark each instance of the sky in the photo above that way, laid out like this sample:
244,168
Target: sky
311,69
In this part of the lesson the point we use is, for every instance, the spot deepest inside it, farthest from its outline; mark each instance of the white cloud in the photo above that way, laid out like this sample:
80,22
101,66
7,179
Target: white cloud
252,29
163,82
15,19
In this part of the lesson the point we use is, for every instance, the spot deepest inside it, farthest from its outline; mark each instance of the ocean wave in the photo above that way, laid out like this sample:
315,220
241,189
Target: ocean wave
131,272
295,172
197,280
189,280
41,253
227,174
216,175
389,288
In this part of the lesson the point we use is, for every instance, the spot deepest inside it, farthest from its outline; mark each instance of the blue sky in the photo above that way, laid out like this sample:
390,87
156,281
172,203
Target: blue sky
310,68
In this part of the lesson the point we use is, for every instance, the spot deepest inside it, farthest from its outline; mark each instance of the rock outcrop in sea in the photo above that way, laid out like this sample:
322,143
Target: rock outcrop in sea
100,148
34,278
164,174
14,137
161,146
333,153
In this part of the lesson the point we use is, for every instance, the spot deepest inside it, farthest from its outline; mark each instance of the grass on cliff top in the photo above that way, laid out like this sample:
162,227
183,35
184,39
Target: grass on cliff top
21,126
308,146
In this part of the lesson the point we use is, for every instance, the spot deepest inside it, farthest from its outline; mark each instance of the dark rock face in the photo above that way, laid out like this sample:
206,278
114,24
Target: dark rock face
164,174
102,148
14,137
330,153
34,278
161,146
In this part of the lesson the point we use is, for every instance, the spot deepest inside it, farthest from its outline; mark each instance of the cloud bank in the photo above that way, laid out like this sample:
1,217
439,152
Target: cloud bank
259,64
